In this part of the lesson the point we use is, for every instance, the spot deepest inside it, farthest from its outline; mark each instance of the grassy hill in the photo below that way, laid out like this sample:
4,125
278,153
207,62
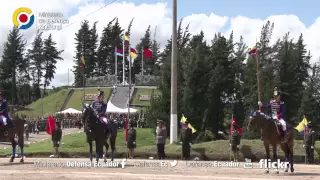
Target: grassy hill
54,101
143,91
51,104
76,99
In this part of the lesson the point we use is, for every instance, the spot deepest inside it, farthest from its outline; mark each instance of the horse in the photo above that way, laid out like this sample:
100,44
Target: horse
111,134
94,131
12,131
271,136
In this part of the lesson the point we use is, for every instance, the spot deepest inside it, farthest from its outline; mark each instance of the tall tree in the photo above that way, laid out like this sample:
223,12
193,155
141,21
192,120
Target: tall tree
51,57
12,63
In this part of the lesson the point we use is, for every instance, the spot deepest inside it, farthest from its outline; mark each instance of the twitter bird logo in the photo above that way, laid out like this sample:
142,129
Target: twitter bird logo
174,163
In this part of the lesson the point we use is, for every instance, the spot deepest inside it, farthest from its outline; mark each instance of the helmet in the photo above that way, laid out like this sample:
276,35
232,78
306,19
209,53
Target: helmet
309,124
276,92
101,93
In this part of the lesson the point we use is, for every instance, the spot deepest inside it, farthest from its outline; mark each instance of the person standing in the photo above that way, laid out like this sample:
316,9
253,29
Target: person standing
161,136
56,139
310,143
235,140
186,138
132,136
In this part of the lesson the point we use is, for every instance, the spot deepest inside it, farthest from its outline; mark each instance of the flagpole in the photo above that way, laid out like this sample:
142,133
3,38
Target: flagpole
258,71
230,134
304,139
116,64
123,60
142,62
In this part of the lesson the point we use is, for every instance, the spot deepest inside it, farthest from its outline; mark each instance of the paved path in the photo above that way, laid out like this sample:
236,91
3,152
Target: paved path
137,170
40,137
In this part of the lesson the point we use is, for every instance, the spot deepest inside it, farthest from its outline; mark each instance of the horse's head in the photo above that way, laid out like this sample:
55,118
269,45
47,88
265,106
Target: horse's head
88,115
257,118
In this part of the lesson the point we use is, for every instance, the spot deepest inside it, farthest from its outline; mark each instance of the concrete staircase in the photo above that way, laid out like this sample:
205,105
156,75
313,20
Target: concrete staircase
70,93
121,97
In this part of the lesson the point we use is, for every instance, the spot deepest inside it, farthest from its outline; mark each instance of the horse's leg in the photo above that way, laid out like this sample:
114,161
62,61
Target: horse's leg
275,157
113,146
266,146
106,153
90,147
291,157
14,145
21,145
98,149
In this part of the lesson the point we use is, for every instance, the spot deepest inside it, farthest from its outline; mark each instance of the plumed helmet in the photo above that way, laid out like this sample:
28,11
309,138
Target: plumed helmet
276,91
101,93
309,124
233,123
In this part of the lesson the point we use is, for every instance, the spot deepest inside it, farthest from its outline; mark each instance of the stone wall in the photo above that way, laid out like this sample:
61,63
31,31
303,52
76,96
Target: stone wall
146,80
108,80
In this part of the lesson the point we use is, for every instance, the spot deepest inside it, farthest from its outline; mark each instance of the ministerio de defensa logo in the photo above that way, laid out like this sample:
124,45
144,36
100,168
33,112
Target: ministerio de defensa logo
23,18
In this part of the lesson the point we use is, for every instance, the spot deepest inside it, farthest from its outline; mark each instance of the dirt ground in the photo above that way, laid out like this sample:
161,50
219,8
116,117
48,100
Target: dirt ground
145,169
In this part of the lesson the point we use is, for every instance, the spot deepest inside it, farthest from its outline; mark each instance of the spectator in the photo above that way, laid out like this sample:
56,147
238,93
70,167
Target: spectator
161,134
132,136
56,139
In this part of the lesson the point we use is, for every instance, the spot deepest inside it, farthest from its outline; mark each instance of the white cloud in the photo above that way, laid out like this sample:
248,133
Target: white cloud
157,14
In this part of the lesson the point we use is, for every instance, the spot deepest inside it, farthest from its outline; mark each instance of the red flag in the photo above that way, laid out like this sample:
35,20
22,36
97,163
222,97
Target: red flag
147,53
126,129
233,122
51,125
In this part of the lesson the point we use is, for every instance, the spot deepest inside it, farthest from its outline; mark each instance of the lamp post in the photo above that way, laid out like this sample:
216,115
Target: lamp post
173,115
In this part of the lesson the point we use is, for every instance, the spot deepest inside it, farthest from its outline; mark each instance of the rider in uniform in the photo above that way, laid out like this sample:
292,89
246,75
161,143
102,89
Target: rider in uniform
186,137
310,143
278,112
5,120
100,107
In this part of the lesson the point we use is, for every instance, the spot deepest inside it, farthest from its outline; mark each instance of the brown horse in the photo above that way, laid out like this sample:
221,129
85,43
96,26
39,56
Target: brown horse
19,131
271,136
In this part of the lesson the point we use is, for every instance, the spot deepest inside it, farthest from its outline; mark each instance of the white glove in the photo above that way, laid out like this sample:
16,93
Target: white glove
134,142
259,103
190,144
229,144
312,147
238,146
303,146
58,142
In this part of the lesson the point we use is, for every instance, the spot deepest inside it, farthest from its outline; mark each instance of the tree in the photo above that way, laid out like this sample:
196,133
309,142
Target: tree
51,57
13,63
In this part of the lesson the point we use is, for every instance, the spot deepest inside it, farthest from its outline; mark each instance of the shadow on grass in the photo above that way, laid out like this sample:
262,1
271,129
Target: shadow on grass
304,174
247,153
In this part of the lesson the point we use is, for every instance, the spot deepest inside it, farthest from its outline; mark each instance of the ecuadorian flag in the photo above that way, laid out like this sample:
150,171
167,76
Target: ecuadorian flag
302,125
182,122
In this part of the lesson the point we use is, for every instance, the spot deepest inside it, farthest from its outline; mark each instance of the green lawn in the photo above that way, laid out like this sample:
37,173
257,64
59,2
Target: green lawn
75,146
76,99
143,91
51,104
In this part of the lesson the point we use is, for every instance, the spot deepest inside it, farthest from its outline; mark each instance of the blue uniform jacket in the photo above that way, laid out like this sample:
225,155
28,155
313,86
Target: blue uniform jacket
100,107
4,108
282,109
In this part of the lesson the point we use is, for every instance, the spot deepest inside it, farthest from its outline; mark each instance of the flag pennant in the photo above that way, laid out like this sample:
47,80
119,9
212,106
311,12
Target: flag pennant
133,53
253,50
126,39
301,128
119,52
51,125
82,62
147,53
183,121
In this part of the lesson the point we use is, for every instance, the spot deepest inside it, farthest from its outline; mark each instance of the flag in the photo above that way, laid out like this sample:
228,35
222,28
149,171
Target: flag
133,53
51,125
119,52
253,50
147,53
126,126
82,62
302,125
126,39
182,122
233,122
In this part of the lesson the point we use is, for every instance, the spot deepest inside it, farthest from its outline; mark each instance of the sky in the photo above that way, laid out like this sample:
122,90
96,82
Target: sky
244,17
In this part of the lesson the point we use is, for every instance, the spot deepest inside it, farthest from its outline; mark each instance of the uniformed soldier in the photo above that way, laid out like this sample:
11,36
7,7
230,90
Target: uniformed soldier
56,138
185,138
132,137
310,143
235,141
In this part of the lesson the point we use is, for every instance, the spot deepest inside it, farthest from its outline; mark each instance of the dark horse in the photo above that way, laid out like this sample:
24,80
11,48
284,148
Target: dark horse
94,131
19,131
271,136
